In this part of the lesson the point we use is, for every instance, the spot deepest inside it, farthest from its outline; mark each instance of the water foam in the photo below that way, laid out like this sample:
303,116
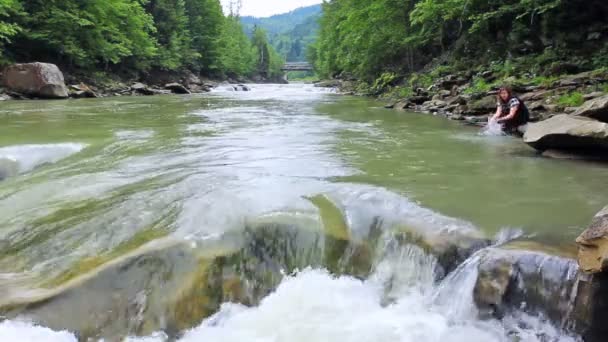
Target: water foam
25,158
18,331
314,305
493,128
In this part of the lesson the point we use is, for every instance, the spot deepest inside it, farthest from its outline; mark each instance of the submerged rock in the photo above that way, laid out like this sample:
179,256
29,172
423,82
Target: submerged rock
449,247
593,245
596,108
172,286
36,79
565,132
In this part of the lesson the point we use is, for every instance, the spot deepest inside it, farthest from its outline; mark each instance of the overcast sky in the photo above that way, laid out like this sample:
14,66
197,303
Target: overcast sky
266,8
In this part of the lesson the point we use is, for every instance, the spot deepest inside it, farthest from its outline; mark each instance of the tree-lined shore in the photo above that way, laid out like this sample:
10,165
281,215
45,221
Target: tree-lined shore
102,41
450,57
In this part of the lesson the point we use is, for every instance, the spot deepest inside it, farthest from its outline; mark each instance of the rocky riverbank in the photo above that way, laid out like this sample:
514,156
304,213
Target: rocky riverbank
569,113
47,81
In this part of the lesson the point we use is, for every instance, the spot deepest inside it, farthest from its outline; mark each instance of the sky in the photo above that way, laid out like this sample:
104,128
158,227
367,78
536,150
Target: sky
266,8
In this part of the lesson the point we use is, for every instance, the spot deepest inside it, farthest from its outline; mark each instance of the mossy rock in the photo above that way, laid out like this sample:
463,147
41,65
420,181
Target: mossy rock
171,286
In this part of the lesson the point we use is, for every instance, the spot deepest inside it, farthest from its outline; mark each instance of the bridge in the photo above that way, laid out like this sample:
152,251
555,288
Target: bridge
297,66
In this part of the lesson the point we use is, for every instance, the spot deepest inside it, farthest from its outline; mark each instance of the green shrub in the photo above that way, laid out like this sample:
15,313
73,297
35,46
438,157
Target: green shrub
544,81
479,86
573,99
421,80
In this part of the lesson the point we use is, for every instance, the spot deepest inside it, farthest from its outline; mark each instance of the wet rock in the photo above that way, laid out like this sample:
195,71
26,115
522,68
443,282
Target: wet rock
328,84
36,79
172,286
419,99
593,245
177,88
434,106
565,132
596,108
142,89
402,105
451,248
242,87
526,275
195,88
82,91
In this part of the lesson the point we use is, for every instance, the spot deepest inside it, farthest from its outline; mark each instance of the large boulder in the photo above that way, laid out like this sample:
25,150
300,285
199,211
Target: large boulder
590,307
566,132
593,245
526,275
36,79
596,108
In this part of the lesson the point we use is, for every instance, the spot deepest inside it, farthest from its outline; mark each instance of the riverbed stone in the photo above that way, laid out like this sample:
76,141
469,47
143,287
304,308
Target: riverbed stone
142,89
596,108
566,132
82,91
36,79
593,244
526,275
177,88
328,84
172,285
450,247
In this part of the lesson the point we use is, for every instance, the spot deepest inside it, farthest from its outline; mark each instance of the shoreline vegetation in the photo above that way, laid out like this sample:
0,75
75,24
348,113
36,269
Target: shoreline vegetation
105,48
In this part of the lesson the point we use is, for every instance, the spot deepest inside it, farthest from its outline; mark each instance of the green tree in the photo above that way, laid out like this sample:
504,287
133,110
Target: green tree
237,55
85,33
10,10
206,21
172,33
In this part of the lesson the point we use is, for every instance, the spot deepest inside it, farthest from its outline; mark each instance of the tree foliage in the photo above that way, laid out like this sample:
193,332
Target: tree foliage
366,38
133,35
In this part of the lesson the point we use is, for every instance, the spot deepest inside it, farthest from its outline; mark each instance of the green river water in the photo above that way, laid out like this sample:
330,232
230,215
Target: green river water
87,181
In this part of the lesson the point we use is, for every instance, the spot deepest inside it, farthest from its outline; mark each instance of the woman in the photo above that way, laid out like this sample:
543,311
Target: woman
511,112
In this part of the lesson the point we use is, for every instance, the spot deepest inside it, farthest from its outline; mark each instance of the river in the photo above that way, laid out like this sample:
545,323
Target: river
86,182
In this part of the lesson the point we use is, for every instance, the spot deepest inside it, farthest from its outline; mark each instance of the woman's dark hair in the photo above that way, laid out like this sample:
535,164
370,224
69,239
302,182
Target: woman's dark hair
508,90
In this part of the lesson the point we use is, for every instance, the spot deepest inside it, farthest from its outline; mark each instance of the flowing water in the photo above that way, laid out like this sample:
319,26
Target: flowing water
87,182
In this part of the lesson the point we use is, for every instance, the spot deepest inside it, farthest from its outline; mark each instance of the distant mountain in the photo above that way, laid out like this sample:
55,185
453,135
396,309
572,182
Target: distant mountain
282,23
289,33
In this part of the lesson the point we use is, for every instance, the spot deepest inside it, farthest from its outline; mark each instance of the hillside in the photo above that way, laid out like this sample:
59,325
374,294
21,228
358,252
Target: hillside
290,33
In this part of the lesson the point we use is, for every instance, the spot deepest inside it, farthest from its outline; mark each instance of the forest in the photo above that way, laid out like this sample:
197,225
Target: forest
367,39
131,37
